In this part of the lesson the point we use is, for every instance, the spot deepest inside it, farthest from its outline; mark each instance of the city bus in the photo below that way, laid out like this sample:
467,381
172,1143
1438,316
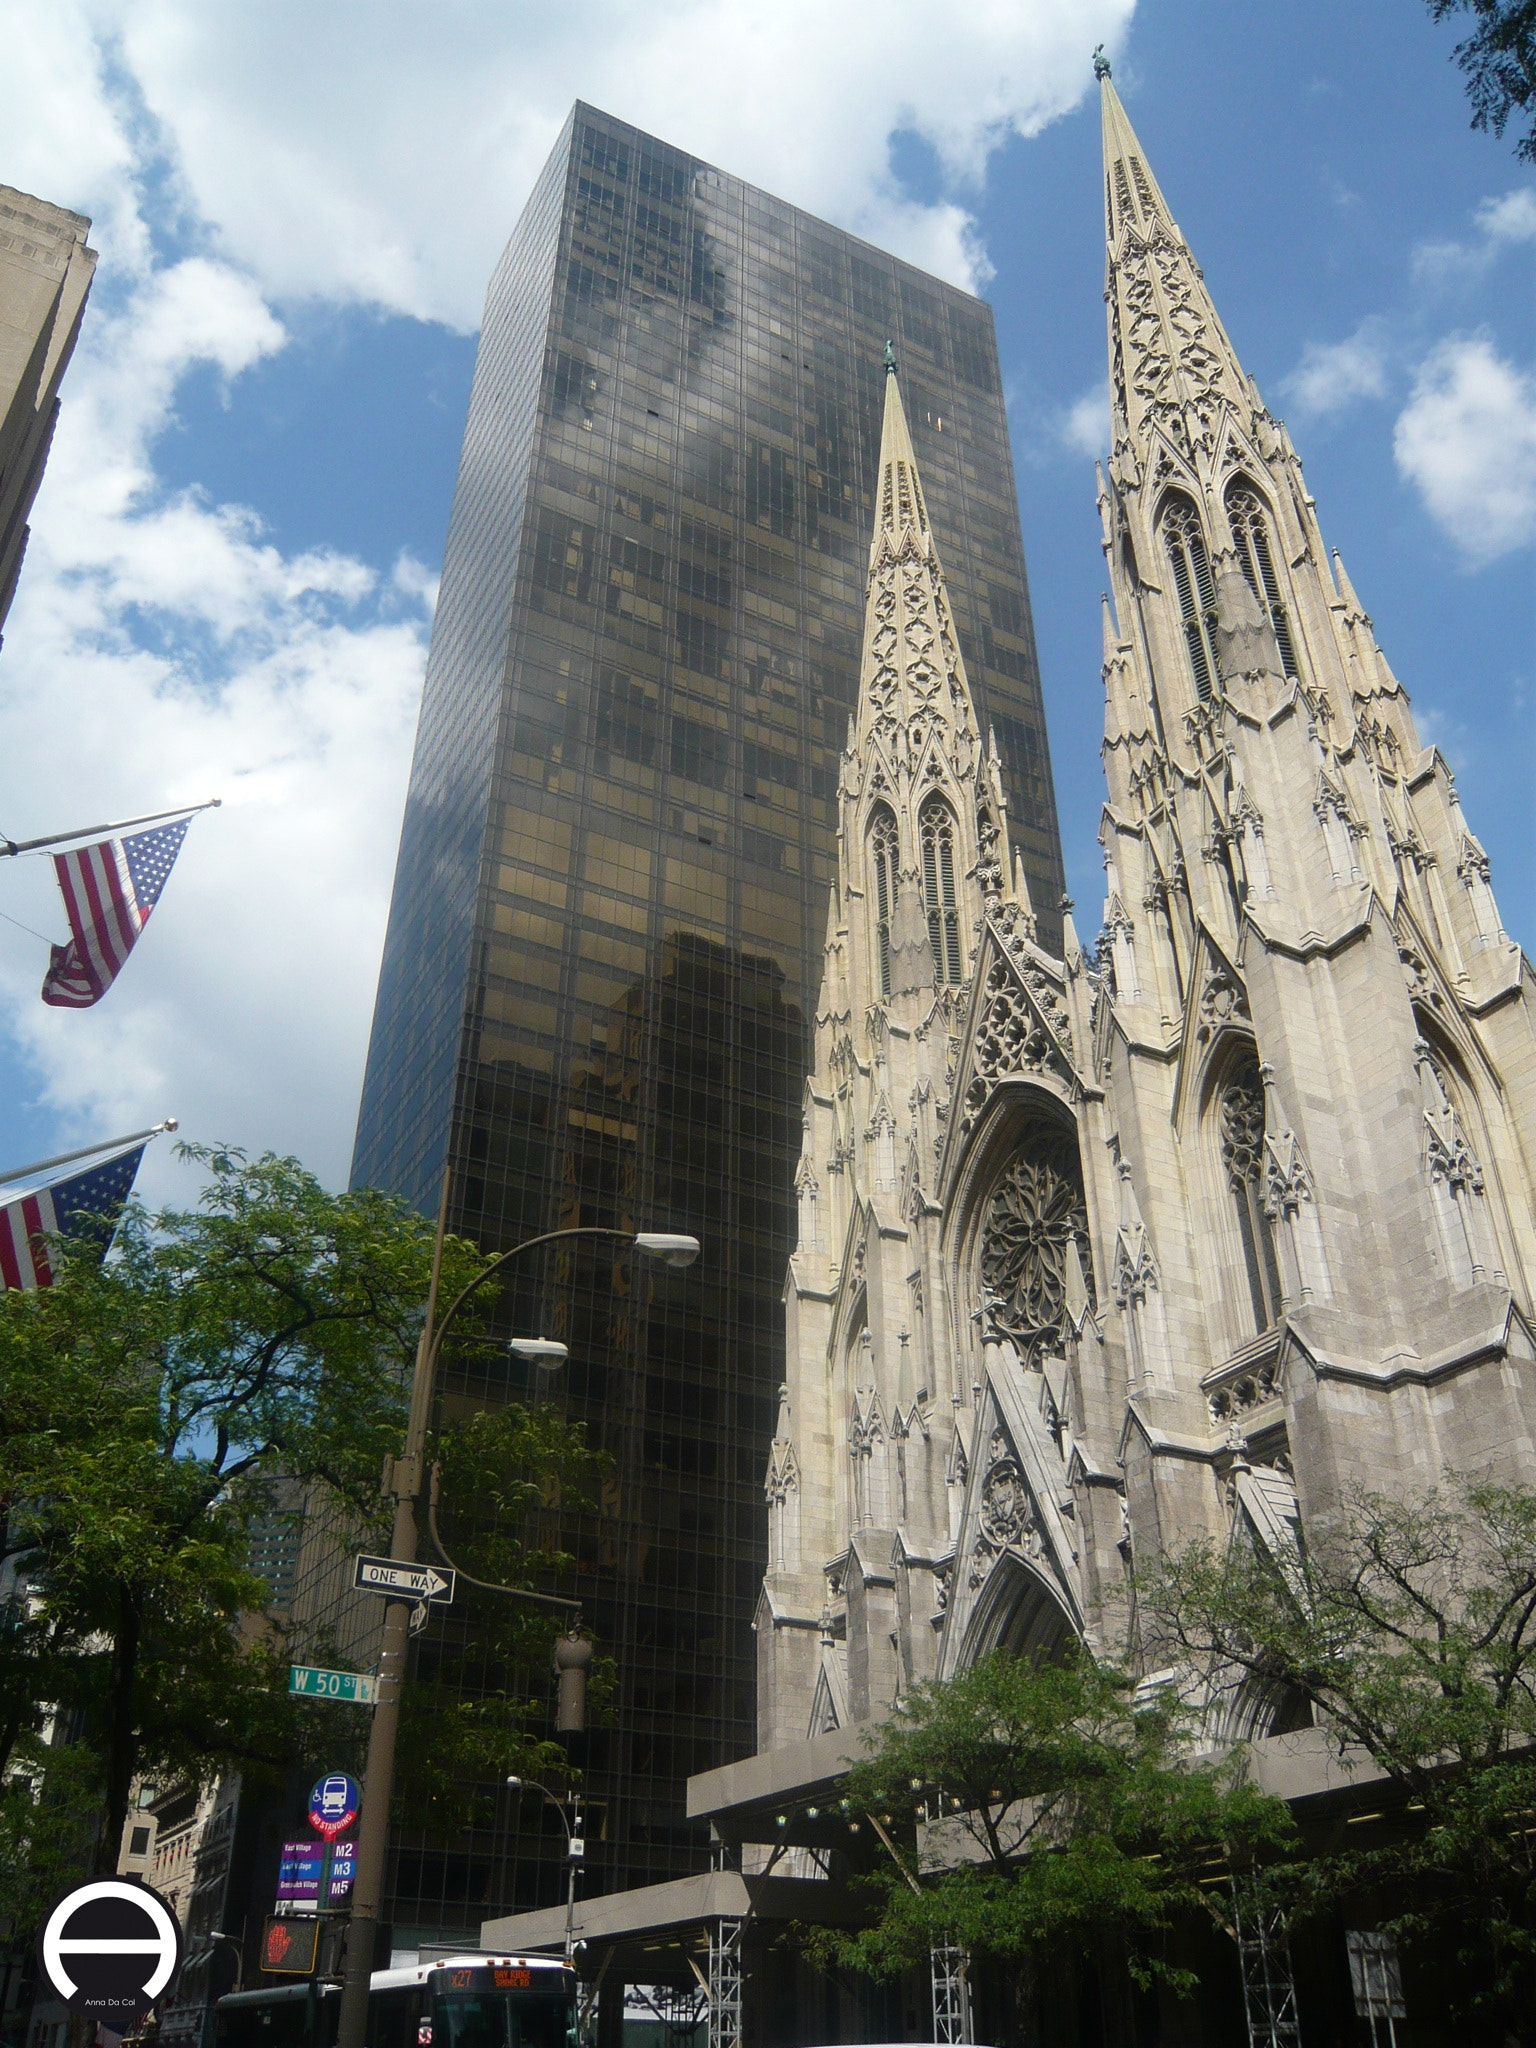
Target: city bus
461,2002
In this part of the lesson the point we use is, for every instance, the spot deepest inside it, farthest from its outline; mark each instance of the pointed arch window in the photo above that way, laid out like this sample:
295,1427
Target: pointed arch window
937,830
1250,529
882,860
1240,1125
1190,561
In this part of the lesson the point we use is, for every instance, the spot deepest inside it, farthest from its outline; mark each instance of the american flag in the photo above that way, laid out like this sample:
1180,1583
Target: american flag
80,1211
109,890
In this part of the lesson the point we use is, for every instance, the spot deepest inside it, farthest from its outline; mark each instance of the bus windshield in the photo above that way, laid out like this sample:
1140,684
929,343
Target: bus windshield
488,2019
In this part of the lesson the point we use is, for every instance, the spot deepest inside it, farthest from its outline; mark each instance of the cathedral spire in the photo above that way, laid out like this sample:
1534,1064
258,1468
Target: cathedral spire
1171,364
913,692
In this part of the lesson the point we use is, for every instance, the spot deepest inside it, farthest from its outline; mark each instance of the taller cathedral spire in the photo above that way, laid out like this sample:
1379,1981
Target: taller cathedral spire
1171,364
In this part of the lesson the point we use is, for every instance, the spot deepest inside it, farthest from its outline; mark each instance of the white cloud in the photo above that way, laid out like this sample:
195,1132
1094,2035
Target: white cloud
1467,440
1511,218
1499,224
162,650
1332,375
1084,426
381,154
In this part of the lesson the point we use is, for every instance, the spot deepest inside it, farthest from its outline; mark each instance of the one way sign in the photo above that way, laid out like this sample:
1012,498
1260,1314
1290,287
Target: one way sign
403,1581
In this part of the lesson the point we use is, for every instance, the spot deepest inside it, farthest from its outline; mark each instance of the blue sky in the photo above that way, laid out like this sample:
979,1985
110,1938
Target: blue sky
230,584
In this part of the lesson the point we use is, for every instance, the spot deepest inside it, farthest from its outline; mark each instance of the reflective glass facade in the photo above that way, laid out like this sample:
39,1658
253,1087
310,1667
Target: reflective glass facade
604,948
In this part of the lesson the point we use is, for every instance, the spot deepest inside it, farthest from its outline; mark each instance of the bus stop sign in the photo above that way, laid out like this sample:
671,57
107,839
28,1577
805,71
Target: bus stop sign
333,1805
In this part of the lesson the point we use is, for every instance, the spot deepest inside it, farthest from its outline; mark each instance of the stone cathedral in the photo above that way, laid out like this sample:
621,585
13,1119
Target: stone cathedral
1191,1227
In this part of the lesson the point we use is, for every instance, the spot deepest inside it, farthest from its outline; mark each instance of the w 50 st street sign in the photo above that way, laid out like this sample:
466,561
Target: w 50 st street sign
316,1683
403,1581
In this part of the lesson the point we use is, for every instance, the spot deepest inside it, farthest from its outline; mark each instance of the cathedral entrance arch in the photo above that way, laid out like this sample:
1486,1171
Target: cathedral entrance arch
1017,1611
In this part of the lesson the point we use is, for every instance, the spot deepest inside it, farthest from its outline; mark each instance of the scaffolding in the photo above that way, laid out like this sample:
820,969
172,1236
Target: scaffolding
1269,1989
724,1985
951,1995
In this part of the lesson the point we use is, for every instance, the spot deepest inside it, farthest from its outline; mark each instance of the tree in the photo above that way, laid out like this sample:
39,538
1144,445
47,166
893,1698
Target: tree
1073,1816
465,1723
1410,1628
148,1404
1499,60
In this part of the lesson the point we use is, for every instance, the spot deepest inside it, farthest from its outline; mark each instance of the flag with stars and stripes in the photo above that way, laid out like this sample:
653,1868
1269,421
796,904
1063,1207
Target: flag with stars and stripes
79,1213
109,890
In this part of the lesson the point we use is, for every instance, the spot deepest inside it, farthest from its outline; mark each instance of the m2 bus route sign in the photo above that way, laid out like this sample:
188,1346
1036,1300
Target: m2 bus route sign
110,1948
333,1805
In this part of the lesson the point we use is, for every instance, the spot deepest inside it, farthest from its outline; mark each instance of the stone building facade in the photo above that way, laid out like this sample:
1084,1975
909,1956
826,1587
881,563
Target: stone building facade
46,269
1204,1222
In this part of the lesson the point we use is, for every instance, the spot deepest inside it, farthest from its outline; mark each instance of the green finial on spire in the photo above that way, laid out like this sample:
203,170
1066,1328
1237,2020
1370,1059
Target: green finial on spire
889,358
1100,64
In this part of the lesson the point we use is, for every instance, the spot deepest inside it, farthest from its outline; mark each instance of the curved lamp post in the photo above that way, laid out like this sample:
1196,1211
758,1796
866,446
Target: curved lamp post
405,1481
575,1848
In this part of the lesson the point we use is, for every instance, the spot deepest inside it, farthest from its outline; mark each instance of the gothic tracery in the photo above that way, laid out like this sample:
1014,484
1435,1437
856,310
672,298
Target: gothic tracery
1035,1212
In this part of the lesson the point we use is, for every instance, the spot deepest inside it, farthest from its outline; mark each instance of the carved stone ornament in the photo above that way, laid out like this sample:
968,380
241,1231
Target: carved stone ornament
1422,987
1248,1390
1242,1128
1036,1208
1222,1002
1450,1156
783,1474
1011,1038
1006,1514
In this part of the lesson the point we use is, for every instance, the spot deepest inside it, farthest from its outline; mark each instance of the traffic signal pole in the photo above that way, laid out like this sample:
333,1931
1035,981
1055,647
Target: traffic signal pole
407,1480
379,1772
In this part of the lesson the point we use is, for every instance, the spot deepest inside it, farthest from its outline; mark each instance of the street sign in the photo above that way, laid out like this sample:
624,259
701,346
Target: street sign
404,1581
301,1873
333,1805
290,1948
316,1683
109,1948
343,1870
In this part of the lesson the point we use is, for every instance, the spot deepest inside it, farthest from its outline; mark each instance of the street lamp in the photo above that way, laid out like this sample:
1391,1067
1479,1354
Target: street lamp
669,1248
406,1482
575,1849
546,1350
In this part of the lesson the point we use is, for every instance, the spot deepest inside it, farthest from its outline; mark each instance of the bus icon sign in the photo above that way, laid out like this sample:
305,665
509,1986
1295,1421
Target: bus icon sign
333,1805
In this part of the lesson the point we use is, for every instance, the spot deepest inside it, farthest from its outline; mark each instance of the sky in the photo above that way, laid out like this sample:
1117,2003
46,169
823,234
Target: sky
234,555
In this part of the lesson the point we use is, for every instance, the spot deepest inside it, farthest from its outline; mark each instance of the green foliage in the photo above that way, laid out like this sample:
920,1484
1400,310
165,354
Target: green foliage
49,1806
1499,60
465,1724
147,1406
1071,1815
1410,1625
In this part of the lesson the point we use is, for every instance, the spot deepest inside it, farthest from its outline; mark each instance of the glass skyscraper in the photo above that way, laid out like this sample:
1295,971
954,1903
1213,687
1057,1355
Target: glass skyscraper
604,947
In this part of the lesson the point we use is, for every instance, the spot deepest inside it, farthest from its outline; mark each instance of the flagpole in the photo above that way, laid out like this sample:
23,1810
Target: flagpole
84,1152
9,848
